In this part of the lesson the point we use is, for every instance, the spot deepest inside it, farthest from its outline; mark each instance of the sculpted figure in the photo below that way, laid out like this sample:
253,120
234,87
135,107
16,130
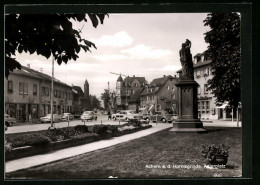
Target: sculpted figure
186,60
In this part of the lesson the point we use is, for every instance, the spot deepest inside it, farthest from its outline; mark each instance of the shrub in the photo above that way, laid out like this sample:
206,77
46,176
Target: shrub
33,139
84,135
81,128
211,151
58,134
134,122
113,128
99,129
8,146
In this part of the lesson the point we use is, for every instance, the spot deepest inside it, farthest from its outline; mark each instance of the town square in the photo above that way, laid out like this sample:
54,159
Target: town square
123,95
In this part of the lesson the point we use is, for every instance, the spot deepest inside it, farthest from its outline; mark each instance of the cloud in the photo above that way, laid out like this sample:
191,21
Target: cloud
109,57
166,68
141,52
119,39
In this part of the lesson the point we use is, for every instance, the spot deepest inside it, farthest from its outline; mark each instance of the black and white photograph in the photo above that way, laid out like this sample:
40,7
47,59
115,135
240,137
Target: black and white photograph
122,95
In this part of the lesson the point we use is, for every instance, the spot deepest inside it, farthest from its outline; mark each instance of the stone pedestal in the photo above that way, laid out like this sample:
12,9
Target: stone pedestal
188,120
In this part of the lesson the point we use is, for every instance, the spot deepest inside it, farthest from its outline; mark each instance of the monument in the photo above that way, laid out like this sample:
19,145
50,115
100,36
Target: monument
187,120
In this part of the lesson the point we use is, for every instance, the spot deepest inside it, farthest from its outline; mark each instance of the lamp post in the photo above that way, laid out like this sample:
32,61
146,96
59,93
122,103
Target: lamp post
52,92
126,86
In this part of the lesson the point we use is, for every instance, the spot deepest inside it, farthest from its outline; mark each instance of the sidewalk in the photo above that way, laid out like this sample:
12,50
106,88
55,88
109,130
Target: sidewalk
36,160
221,123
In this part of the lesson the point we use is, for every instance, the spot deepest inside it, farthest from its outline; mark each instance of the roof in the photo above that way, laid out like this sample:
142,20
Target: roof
43,76
197,55
120,79
199,64
25,73
136,95
130,79
202,63
78,89
158,82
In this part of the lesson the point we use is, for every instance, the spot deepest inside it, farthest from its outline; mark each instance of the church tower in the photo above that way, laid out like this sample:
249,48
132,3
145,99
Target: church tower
119,90
119,85
86,89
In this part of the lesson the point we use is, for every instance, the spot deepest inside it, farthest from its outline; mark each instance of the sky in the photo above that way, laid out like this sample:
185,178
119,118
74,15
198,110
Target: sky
144,45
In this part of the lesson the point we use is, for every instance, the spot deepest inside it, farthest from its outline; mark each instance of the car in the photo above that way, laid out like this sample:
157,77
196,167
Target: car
47,118
66,116
88,115
118,116
125,115
162,116
9,121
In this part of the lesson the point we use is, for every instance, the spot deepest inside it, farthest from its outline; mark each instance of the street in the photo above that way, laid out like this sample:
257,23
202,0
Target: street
101,119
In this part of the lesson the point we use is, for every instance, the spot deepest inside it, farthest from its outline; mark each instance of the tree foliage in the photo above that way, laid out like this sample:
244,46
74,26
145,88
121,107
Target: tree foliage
46,35
109,99
224,50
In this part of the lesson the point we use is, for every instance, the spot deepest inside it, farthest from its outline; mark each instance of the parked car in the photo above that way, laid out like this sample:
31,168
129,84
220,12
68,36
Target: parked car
9,120
125,115
118,116
162,116
88,115
47,119
66,116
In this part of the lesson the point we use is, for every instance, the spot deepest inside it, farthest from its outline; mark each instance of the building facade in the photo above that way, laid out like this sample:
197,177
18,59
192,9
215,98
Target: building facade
127,88
28,95
207,108
160,94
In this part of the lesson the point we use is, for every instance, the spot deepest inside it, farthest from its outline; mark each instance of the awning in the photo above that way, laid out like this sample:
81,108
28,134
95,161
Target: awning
222,106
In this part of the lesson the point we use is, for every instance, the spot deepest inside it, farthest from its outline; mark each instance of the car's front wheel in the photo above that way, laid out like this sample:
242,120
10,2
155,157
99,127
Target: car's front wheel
7,124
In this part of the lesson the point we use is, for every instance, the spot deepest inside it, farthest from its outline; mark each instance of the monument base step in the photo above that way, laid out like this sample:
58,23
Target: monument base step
198,130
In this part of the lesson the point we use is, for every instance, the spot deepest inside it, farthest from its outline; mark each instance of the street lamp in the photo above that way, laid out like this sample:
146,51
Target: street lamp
52,92
126,86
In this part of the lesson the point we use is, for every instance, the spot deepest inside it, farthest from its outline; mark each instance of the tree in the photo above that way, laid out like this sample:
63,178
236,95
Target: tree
95,102
224,50
46,35
109,100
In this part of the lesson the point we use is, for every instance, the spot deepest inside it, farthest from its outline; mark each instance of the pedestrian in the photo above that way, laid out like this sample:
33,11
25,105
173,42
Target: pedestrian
109,115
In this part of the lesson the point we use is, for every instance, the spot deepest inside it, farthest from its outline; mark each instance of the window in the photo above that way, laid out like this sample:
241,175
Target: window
47,91
198,73
198,58
55,93
23,88
34,89
168,88
199,90
66,96
202,105
173,96
20,88
198,105
43,91
205,88
173,89
206,71
10,86
207,105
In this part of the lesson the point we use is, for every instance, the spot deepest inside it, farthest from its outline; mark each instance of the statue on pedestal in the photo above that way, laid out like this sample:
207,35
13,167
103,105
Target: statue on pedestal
186,61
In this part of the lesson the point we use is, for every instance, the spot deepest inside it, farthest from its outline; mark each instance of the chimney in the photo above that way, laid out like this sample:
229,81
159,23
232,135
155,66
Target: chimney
133,75
163,75
174,76
28,65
